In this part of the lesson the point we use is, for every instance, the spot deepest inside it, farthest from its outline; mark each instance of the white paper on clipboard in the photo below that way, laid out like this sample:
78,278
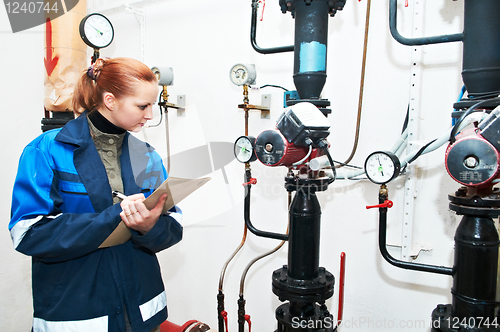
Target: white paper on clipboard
177,189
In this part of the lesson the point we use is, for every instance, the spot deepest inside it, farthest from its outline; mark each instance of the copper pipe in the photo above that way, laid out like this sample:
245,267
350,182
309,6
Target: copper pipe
361,85
243,276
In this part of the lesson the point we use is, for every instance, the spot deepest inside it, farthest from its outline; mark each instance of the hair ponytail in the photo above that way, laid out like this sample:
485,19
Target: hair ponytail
118,76
84,95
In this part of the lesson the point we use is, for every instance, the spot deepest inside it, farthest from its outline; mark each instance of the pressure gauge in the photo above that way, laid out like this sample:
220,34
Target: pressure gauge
96,31
243,149
243,74
382,167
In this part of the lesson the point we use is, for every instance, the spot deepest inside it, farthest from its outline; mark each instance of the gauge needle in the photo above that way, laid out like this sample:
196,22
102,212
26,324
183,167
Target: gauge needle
380,168
99,32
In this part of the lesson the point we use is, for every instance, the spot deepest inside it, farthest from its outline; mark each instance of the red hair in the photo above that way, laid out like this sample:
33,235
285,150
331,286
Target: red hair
118,76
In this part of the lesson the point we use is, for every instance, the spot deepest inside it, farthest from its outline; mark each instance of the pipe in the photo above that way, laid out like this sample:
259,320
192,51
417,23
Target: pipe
416,41
340,314
310,51
383,196
248,223
241,314
361,84
189,326
481,63
220,296
475,283
304,238
253,32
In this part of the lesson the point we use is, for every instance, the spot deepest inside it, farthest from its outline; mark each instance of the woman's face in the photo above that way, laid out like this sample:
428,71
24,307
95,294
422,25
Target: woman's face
132,112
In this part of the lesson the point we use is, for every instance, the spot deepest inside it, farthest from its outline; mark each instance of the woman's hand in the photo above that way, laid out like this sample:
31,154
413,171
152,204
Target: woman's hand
137,216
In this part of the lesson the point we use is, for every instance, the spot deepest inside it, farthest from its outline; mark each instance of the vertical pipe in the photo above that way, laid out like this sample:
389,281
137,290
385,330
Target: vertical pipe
475,283
220,309
311,35
303,252
241,314
481,47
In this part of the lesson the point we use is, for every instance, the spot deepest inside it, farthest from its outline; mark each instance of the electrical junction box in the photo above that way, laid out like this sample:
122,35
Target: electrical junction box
302,121
290,95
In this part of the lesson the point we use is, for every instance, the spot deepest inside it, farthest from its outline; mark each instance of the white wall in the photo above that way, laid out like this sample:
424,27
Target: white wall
201,40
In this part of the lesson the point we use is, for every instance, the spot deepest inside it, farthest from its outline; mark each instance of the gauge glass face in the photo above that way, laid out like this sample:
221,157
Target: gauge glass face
243,149
381,168
239,75
98,31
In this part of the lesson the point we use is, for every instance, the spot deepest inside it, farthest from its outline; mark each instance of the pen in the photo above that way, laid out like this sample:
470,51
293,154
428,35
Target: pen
119,195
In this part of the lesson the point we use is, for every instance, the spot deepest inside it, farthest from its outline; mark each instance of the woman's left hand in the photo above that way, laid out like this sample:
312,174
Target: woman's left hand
137,216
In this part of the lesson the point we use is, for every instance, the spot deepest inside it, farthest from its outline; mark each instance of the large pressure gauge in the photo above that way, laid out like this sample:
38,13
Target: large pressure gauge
96,31
243,149
243,74
382,167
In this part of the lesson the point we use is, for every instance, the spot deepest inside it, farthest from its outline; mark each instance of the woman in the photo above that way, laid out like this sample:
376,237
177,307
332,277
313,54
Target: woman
63,209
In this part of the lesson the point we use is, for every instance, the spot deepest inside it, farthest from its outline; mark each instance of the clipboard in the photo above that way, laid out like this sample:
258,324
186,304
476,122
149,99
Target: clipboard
176,188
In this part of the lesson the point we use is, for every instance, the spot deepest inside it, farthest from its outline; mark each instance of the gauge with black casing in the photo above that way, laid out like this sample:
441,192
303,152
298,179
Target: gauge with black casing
244,149
96,30
382,167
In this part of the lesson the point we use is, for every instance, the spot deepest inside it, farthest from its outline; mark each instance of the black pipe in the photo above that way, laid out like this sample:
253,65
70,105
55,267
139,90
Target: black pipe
475,283
481,49
416,41
241,314
382,238
303,244
270,235
311,37
253,33
220,309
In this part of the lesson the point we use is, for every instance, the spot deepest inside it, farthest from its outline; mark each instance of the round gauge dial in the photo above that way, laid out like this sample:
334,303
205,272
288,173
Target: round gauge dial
242,74
243,149
96,31
382,167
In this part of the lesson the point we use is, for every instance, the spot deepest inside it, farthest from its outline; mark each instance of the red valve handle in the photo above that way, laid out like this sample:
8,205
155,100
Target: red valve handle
224,314
341,289
386,204
247,318
252,181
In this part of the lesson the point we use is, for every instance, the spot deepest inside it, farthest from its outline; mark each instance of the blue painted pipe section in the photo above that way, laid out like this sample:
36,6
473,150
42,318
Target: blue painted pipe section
312,57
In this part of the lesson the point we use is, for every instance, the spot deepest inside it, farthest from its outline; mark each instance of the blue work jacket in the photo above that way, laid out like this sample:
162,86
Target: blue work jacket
62,210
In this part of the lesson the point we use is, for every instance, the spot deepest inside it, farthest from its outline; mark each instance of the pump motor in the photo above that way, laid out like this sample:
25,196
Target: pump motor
273,149
472,160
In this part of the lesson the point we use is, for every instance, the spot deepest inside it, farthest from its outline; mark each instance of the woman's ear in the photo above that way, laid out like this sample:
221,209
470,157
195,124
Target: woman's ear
109,101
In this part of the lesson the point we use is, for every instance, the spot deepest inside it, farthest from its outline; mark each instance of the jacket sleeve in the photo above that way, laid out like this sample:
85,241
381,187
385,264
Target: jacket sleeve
165,233
39,228
168,230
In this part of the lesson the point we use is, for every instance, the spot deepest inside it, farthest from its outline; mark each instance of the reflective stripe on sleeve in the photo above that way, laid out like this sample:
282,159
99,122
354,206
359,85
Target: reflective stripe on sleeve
19,230
153,306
